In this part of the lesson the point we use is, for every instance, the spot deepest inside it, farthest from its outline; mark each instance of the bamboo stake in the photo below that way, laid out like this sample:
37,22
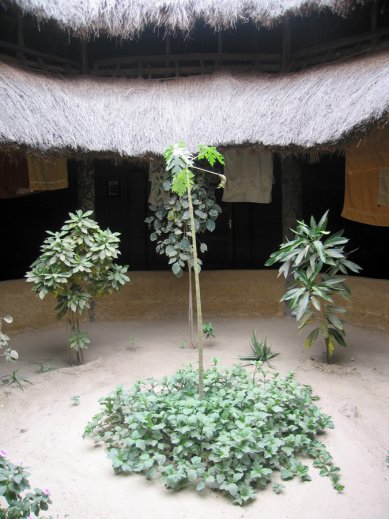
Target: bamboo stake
198,296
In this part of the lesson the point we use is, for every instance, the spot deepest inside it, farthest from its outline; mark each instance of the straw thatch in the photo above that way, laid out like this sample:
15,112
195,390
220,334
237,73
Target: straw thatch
308,110
127,18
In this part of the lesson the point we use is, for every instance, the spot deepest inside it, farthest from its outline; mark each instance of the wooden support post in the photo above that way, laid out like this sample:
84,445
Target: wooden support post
168,45
286,46
219,48
86,185
373,21
86,202
292,200
20,31
21,38
167,50
84,57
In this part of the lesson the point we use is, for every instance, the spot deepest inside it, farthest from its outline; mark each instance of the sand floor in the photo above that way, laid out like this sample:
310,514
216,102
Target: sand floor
42,428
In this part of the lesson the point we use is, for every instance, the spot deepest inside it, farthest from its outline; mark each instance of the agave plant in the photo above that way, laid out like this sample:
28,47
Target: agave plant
260,351
312,261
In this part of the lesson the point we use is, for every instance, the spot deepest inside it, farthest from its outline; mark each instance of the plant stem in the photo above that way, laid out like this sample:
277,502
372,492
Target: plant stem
190,306
328,355
198,296
325,333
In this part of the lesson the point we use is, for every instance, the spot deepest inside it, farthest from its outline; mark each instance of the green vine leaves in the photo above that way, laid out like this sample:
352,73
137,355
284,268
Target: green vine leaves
169,221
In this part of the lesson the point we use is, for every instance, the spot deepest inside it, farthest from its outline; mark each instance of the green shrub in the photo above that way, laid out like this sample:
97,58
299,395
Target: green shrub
16,499
77,264
233,440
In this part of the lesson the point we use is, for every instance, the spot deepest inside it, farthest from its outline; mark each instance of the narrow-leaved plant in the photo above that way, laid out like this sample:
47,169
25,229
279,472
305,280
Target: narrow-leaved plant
313,260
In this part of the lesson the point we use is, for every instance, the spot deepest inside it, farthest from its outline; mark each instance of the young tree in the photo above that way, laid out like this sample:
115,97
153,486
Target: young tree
314,259
180,162
76,265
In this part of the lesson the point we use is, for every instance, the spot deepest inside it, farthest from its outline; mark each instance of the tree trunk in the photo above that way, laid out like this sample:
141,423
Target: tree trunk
74,324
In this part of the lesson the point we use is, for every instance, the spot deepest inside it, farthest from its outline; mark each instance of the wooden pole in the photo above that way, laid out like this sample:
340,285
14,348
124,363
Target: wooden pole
373,21
286,46
21,38
86,185
292,201
86,202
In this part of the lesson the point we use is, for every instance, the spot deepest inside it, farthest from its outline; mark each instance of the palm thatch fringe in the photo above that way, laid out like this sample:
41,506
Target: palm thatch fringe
134,118
127,18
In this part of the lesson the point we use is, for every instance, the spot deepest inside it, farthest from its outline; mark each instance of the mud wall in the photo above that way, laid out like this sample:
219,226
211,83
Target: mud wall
227,293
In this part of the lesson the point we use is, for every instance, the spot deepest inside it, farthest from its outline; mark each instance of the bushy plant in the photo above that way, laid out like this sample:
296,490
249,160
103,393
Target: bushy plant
313,261
17,500
76,265
232,441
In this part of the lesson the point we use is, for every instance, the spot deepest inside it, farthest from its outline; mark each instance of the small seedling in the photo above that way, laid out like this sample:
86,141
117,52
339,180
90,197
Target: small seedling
261,352
208,330
14,378
183,344
278,488
75,400
43,369
132,346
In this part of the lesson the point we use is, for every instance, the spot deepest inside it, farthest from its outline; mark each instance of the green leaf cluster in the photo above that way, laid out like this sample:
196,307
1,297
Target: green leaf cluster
232,441
208,330
20,501
312,262
6,351
78,259
169,222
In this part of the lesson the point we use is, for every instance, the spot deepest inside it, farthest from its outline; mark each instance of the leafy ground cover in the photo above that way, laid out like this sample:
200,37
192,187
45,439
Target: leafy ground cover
234,440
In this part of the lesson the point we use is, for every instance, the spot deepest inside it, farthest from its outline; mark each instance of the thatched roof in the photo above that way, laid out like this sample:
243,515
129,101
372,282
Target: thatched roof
310,109
127,18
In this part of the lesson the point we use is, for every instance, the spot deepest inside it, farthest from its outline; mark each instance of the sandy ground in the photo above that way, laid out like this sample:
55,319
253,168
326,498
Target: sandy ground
41,427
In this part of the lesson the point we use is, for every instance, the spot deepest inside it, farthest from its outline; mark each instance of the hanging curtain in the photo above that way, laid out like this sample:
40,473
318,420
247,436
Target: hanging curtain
249,176
366,198
47,174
